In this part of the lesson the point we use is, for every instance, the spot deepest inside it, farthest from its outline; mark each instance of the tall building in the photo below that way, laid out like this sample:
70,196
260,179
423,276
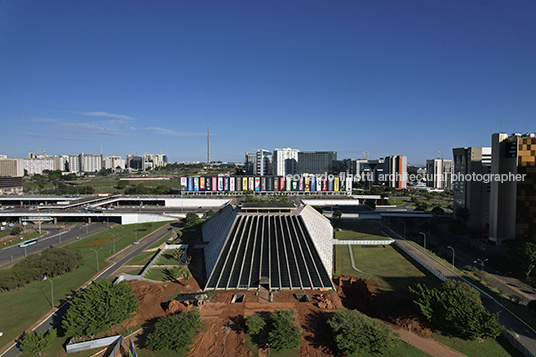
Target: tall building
135,162
396,168
11,167
263,162
439,174
250,164
316,162
285,162
38,165
61,162
512,212
91,162
154,161
472,194
74,163
113,163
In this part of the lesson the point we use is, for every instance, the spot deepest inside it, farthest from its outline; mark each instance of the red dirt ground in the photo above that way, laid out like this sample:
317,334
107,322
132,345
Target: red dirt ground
223,334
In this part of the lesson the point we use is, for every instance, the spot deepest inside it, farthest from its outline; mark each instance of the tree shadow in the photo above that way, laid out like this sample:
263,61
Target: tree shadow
237,324
147,328
318,333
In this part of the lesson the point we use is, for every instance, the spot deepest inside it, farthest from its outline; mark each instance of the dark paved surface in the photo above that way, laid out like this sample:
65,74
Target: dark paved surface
48,240
120,259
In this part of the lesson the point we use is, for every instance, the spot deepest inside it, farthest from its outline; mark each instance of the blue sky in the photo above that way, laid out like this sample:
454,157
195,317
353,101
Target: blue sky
386,77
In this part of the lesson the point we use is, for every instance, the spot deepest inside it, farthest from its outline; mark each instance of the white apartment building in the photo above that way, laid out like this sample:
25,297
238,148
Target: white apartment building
439,173
285,162
37,166
113,163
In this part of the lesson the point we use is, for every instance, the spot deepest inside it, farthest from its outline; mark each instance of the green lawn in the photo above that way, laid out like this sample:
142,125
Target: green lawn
488,347
22,307
156,274
167,259
388,266
396,201
19,239
136,271
141,259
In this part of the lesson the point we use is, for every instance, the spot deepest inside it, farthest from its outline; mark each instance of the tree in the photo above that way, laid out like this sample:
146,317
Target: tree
184,274
528,254
35,343
284,332
191,220
99,307
254,324
16,230
177,253
209,213
355,332
456,308
175,332
337,214
438,210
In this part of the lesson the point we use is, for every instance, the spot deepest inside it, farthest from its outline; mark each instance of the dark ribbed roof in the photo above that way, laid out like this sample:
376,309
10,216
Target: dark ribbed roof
270,247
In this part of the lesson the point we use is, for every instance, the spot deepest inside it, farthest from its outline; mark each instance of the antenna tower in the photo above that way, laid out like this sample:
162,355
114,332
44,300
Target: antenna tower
208,145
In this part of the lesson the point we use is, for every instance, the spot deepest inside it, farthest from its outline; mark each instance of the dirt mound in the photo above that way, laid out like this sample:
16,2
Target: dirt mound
174,307
323,301
152,300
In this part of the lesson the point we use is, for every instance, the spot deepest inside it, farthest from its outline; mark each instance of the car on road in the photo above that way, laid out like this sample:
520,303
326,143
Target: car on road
136,242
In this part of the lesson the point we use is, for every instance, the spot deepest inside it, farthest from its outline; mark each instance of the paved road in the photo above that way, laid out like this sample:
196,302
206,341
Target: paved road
118,260
48,240
524,334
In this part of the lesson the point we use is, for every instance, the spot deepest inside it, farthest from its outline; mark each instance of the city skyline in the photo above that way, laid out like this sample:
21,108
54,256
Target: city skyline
387,78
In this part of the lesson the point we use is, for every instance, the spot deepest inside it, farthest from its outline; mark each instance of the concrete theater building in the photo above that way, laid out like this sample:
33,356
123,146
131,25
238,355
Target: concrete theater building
268,246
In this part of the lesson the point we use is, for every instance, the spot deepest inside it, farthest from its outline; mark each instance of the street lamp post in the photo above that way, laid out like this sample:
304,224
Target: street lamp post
409,334
481,263
97,255
51,291
424,245
269,345
453,253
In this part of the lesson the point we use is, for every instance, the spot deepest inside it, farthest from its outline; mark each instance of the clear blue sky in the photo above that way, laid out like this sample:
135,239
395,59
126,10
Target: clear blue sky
386,77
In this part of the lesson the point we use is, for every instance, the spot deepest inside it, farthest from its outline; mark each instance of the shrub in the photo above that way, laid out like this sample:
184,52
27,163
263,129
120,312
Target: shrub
35,343
284,332
254,324
456,308
175,332
355,332
99,307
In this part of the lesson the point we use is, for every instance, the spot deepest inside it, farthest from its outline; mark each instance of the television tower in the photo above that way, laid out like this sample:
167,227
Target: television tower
208,145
